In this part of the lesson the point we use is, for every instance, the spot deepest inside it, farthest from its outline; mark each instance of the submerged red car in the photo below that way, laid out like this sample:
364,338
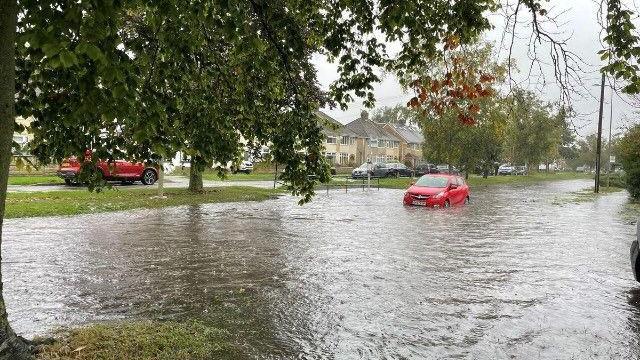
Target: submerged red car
437,190
118,170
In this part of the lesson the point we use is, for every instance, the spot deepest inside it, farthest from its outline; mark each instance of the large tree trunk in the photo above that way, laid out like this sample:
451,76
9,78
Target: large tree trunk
11,346
195,175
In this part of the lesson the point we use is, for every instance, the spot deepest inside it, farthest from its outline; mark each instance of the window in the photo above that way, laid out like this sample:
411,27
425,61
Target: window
332,140
344,158
382,143
331,156
432,181
396,144
373,143
347,140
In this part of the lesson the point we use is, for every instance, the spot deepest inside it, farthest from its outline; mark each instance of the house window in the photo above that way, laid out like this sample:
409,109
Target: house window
346,140
373,143
344,158
381,143
332,140
396,144
331,156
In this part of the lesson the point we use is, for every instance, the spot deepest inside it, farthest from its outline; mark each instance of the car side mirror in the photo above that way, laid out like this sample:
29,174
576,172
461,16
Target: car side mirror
453,186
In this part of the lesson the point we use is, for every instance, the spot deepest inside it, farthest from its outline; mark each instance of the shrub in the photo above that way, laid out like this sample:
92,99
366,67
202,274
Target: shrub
629,152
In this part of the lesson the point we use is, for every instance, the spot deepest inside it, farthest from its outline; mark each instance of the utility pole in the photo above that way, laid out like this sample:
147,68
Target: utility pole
599,146
609,166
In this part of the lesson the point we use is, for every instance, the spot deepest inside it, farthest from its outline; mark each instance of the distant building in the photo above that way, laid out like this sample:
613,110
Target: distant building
340,142
374,142
411,141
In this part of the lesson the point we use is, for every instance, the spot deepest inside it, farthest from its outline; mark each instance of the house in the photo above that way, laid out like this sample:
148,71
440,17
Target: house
340,142
374,142
411,141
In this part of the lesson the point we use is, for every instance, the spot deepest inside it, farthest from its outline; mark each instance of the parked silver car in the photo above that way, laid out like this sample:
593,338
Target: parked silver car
505,170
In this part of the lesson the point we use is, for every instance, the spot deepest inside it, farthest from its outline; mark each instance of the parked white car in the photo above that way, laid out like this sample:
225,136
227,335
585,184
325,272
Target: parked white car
505,170
245,167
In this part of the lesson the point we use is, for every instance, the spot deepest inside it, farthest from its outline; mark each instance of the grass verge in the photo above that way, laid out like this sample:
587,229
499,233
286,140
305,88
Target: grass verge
150,340
34,180
475,181
584,195
74,202
631,211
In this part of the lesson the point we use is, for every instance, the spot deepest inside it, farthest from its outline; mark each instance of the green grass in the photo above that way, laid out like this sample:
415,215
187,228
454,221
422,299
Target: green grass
526,179
74,202
34,180
150,340
584,195
475,181
631,211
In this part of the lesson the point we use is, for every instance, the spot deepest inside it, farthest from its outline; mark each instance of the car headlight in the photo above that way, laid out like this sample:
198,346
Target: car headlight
440,194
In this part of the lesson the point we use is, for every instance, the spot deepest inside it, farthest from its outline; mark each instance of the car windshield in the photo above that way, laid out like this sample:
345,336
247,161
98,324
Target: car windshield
432,181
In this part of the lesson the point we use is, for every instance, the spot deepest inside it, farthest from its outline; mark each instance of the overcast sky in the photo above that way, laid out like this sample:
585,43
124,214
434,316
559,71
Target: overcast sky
579,23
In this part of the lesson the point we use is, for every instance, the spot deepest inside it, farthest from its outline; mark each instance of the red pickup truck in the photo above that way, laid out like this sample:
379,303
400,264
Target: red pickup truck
118,170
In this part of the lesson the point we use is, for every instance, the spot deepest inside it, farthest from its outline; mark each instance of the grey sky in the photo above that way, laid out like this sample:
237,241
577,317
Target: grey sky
579,21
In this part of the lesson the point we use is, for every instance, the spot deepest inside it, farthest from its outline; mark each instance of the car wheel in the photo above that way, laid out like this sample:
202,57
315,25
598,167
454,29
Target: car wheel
447,203
68,182
149,177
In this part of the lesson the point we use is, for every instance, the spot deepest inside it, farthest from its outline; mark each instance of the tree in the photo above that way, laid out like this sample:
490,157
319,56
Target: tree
533,134
398,114
629,152
459,108
13,347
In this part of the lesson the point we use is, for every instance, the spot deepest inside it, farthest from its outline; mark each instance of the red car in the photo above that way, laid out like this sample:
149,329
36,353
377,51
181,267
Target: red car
437,190
118,170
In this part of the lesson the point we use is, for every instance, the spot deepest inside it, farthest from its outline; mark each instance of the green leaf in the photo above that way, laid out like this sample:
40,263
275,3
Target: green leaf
68,59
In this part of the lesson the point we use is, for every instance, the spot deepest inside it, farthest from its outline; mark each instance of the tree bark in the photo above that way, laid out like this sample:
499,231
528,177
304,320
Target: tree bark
195,175
11,346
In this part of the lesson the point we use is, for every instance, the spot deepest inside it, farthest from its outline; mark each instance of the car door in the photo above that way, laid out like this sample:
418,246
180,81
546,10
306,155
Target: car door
379,170
464,189
457,192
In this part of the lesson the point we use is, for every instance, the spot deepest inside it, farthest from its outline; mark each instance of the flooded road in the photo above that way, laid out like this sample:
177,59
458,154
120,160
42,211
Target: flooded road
520,272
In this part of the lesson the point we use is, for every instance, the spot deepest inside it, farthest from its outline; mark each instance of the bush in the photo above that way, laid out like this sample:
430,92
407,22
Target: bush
616,180
629,152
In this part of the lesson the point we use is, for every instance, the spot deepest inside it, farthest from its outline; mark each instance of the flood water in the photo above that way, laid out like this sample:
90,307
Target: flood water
520,272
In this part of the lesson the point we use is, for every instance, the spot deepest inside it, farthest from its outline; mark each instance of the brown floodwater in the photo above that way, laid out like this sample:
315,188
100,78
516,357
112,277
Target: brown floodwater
521,272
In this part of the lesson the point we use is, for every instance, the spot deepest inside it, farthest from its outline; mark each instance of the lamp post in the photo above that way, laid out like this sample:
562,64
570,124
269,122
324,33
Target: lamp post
599,144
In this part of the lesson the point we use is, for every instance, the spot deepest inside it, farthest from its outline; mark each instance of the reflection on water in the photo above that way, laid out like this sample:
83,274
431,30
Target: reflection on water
353,275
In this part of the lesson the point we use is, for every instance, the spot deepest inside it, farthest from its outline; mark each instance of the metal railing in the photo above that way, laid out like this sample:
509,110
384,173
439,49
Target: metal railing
346,182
